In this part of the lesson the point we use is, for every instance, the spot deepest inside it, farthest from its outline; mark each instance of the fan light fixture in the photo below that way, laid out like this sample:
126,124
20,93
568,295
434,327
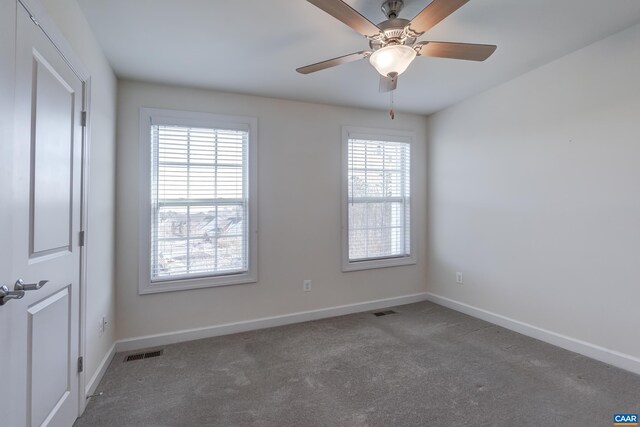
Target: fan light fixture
393,44
392,59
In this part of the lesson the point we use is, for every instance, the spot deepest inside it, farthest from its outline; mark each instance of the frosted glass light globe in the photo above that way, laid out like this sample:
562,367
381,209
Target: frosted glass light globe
392,59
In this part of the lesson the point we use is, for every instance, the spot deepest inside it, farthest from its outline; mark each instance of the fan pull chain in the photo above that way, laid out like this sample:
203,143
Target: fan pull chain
392,113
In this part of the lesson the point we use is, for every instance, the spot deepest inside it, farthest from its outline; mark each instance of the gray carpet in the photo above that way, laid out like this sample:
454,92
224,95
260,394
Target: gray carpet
426,365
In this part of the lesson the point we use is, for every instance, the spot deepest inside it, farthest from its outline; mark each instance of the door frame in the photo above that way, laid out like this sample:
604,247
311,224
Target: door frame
42,19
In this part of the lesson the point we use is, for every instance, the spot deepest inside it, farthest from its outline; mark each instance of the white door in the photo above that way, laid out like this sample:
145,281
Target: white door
42,341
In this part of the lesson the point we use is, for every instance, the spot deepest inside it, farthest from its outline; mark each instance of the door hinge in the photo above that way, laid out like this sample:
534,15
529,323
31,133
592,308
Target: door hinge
80,364
33,18
83,119
81,238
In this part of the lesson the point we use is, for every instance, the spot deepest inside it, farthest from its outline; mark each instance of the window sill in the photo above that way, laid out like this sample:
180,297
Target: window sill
377,263
195,283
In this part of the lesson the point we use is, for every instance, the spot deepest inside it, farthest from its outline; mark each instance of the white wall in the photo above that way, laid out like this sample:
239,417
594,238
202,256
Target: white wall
534,196
101,190
299,146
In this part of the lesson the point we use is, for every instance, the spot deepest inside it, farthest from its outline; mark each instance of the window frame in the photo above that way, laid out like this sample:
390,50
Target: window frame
390,135
206,120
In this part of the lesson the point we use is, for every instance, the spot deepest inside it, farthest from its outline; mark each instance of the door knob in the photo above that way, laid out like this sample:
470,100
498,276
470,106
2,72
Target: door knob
21,286
6,294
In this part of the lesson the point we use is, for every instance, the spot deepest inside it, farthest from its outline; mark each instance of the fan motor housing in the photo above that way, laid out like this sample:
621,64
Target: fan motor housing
392,32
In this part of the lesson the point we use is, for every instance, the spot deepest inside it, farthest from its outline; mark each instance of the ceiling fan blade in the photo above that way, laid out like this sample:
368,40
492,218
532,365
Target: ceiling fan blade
333,62
388,83
467,51
435,12
348,15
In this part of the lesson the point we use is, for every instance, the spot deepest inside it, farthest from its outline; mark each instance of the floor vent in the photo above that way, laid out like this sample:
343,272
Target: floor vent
383,313
140,356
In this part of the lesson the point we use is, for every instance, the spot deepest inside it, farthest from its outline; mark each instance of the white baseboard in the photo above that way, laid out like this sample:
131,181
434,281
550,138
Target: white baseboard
138,343
612,357
92,385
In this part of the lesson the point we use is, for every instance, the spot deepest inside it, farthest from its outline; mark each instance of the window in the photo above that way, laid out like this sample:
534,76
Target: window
376,199
198,218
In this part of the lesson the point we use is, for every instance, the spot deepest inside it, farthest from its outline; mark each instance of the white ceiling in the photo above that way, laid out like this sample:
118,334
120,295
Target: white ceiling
254,46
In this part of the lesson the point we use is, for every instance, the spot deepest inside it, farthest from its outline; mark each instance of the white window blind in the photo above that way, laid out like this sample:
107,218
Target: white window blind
378,202
199,202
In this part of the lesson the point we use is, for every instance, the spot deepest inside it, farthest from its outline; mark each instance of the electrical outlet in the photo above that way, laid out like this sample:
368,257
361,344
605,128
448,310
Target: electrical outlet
103,325
306,285
459,278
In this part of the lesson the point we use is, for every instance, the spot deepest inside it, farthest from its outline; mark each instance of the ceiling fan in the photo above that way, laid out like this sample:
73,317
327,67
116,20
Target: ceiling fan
394,42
